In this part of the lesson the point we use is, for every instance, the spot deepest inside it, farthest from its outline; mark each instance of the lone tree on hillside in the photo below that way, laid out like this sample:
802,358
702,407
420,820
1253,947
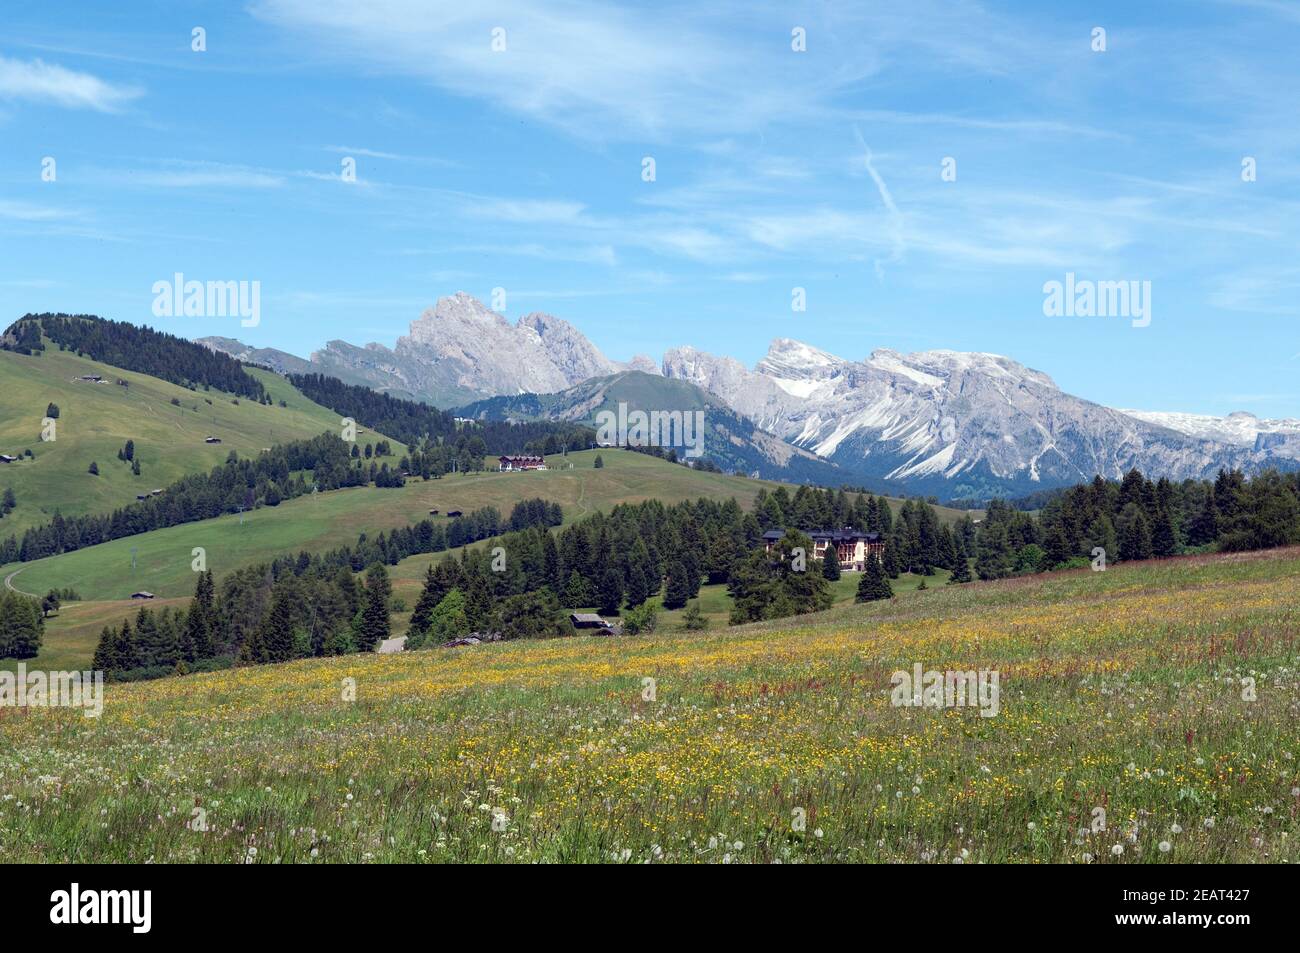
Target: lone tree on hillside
600,462
874,584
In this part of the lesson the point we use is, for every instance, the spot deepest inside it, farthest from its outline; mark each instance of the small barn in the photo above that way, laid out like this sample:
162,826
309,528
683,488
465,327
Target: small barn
453,512
587,620
142,594
212,440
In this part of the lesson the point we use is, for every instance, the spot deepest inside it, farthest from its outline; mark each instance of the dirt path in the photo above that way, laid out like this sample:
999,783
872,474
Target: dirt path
9,584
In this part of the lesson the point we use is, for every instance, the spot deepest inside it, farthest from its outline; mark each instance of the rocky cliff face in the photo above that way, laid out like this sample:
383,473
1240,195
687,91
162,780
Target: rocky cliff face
955,424
461,350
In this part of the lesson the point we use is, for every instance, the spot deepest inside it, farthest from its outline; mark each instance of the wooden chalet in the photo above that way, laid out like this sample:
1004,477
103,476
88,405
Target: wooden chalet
507,464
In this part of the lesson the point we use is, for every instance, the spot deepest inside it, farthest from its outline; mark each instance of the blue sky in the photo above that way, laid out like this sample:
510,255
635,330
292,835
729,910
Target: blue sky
775,169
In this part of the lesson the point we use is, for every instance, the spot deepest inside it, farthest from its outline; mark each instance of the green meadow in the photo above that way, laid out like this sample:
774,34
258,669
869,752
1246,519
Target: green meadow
1146,714
96,420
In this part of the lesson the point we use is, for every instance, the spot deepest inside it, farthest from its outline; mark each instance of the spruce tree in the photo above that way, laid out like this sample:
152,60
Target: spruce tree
946,554
961,573
831,564
105,658
430,596
678,588
1164,538
200,622
892,558
577,593
874,584
1134,533
124,650
610,592
275,635
375,625
1203,528
638,590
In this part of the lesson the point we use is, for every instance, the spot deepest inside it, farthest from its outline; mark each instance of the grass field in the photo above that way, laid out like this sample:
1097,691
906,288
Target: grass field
95,420
160,561
162,557
1119,690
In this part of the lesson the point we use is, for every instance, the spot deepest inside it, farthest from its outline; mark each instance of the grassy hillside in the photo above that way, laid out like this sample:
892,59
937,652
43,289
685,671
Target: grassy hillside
162,557
1119,690
95,420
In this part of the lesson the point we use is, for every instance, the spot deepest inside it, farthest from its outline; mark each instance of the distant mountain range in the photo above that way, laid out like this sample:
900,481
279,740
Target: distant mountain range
953,424
457,351
731,441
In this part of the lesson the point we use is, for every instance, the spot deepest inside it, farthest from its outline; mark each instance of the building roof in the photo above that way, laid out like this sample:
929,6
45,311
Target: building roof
845,535
589,617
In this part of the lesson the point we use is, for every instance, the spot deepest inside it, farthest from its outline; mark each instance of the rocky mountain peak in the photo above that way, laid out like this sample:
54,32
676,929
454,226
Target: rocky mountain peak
645,364
453,317
567,347
788,358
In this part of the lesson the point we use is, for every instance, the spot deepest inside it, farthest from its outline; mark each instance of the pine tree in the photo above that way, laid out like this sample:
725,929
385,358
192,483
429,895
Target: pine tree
105,659
124,651
275,635
892,561
200,621
678,589
610,592
961,573
874,584
430,596
831,563
599,462
150,641
1057,546
21,626
693,619
1164,539
946,549
1204,527
1134,533
375,626
577,593
638,590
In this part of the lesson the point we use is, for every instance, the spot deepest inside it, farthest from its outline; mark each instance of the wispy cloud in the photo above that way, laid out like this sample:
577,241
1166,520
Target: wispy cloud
895,217
28,212
38,81
178,174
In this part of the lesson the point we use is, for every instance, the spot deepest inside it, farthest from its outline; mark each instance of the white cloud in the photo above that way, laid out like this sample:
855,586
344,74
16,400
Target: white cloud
181,174
38,81
588,67
26,212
